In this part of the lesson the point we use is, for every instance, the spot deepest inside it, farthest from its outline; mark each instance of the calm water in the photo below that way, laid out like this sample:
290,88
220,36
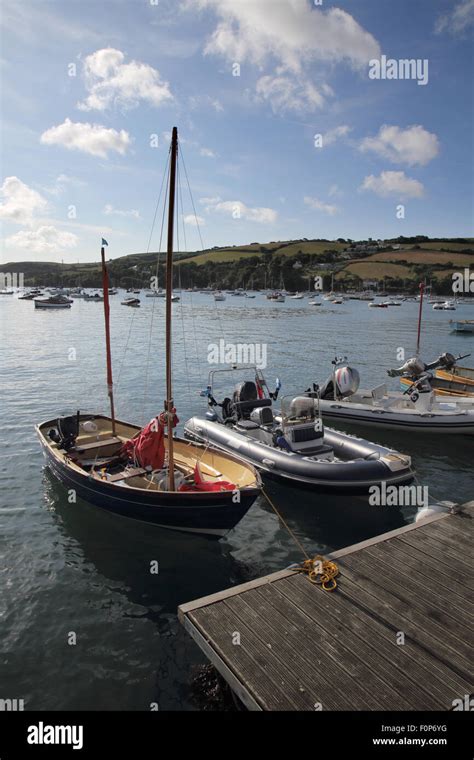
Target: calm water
70,568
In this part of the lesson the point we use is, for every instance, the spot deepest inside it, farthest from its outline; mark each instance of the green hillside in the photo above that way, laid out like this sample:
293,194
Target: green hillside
400,263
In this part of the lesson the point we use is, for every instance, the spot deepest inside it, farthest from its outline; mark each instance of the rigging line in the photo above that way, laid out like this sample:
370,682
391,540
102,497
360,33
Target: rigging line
147,251
117,382
179,209
145,385
221,329
192,200
193,321
285,524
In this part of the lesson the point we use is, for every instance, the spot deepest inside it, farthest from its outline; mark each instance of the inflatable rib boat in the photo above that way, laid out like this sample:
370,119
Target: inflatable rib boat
417,408
294,445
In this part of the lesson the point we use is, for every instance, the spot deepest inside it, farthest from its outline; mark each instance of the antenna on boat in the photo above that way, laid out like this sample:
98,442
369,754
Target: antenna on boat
105,287
169,292
422,288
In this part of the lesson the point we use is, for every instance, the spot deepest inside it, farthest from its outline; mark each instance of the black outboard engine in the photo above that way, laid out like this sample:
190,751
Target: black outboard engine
246,399
67,431
246,391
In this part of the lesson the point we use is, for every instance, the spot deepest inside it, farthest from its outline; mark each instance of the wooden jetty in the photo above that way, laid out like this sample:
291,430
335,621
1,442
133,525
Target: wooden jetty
396,634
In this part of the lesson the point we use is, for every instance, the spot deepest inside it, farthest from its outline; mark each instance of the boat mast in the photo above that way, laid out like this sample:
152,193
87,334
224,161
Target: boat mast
110,384
422,288
169,292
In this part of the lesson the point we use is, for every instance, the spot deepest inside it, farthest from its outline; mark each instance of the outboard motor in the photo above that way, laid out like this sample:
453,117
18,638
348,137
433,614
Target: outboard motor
66,432
246,399
346,379
413,367
246,391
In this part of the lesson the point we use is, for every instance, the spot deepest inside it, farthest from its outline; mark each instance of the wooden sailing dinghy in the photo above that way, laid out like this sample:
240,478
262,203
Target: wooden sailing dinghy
149,474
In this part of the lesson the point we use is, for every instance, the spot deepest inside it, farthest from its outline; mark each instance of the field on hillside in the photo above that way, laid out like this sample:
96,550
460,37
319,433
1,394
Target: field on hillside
231,254
443,274
308,247
373,270
423,257
448,246
278,249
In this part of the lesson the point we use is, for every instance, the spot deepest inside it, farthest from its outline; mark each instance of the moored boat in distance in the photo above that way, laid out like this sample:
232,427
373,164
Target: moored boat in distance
53,302
98,297
133,302
445,306
30,295
462,325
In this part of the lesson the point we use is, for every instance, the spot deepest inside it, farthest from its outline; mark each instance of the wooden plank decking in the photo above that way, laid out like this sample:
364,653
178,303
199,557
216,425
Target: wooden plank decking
305,649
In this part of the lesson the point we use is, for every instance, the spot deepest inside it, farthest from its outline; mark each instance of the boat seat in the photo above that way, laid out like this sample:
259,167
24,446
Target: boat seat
80,447
130,473
244,407
246,425
379,392
324,449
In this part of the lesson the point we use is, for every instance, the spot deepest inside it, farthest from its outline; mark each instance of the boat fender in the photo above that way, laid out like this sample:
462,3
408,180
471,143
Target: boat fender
89,427
280,441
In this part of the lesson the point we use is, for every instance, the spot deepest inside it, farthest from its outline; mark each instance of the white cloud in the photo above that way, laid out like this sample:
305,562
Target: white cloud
88,138
20,202
393,183
109,210
332,135
62,182
318,205
458,20
335,191
209,202
109,81
289,35
413,145
207,152
289,93
238,210
204,101
194,221
44,239
291,32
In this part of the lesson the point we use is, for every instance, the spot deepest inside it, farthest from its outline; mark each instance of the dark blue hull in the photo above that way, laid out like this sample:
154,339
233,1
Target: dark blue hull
207,513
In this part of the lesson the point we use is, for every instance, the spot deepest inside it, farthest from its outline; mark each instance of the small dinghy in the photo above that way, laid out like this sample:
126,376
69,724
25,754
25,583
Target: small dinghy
445,306
134,302
30,295
94,297
53,302
417,408
462,325
94,454
293,445
149,474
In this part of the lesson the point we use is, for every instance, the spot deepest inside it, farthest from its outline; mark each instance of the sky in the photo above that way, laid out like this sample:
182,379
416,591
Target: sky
297,119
